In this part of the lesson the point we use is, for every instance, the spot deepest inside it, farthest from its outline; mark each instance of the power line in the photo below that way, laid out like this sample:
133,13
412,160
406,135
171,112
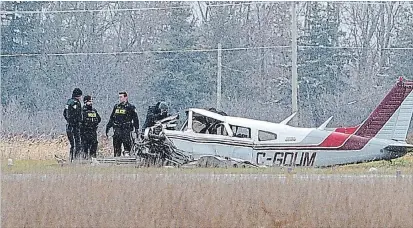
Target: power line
395,48
368,48
163,8
188,50
120,10
140,52
91,10
365,2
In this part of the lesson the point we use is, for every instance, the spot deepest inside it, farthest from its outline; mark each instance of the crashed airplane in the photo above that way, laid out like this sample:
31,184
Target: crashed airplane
382,136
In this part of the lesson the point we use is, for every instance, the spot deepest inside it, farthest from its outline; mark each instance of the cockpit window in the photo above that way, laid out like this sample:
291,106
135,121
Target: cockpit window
207,125
219,129
198,126
241,132
266,136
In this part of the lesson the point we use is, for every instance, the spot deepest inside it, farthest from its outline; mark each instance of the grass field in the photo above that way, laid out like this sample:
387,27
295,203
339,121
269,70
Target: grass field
177,200
37,192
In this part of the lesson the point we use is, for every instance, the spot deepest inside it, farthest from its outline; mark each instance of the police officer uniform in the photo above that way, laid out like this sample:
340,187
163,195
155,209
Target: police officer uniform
73,115
124,120
89,126
155,113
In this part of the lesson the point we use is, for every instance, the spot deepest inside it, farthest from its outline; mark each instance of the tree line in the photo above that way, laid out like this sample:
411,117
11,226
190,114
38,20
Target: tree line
349,55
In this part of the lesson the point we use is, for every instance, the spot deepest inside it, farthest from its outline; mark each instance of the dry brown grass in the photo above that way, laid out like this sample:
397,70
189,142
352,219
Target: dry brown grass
178,200
87,196
38,148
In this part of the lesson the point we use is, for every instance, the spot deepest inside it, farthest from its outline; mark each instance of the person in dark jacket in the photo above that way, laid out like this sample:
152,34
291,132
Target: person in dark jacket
73,115
124,121
155,113
90,122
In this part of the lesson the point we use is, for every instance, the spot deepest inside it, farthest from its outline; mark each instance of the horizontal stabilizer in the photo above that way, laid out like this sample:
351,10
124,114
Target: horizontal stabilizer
401,149
405,145
284,122
324,125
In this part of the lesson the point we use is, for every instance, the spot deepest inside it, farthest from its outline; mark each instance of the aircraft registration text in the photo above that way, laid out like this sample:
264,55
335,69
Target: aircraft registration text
289,158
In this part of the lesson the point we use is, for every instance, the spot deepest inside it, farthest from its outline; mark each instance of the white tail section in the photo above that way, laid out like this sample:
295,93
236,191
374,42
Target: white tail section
391,118
397,126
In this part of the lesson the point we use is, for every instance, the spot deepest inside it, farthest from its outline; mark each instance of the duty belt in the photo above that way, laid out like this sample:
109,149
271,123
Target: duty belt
73,124
122,124
90,128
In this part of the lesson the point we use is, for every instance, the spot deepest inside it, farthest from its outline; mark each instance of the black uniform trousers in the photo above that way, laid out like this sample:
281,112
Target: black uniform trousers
90,143
73,133
121,136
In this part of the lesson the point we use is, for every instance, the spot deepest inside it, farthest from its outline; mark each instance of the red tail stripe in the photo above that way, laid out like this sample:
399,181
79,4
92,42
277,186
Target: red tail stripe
355,143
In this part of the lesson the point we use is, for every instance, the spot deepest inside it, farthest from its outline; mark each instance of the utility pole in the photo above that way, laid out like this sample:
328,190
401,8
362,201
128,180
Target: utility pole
294,83
219,78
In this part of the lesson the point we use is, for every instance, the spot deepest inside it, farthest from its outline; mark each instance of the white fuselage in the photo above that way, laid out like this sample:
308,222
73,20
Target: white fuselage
274,154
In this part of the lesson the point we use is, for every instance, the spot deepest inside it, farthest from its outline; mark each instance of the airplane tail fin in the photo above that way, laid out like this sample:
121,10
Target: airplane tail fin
391,118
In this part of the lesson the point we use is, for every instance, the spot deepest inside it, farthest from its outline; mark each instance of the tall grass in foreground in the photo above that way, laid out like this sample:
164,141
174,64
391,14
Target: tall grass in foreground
178,200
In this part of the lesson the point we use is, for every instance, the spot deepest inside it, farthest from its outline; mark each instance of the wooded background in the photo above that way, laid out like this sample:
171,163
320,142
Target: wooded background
349,55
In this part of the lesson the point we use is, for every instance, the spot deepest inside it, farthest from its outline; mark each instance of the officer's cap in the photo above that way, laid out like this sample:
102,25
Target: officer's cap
87,98
77,92
124,93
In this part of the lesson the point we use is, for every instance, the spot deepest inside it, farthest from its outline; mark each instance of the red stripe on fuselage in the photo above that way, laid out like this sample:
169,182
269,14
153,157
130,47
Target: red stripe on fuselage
342,141
346,130
335,139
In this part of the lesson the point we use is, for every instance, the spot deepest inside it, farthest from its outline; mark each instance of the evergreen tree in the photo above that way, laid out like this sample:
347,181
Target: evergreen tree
401,61
178,76
320,66
18,36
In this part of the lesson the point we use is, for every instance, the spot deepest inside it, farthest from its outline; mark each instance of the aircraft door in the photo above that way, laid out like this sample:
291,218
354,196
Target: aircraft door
264,138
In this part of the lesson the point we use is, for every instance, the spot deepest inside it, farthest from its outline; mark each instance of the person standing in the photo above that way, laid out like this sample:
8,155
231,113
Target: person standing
73,115
90,122
155,113
124,121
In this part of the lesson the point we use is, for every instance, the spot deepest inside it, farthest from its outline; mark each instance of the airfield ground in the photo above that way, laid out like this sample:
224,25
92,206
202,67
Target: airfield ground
37,192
